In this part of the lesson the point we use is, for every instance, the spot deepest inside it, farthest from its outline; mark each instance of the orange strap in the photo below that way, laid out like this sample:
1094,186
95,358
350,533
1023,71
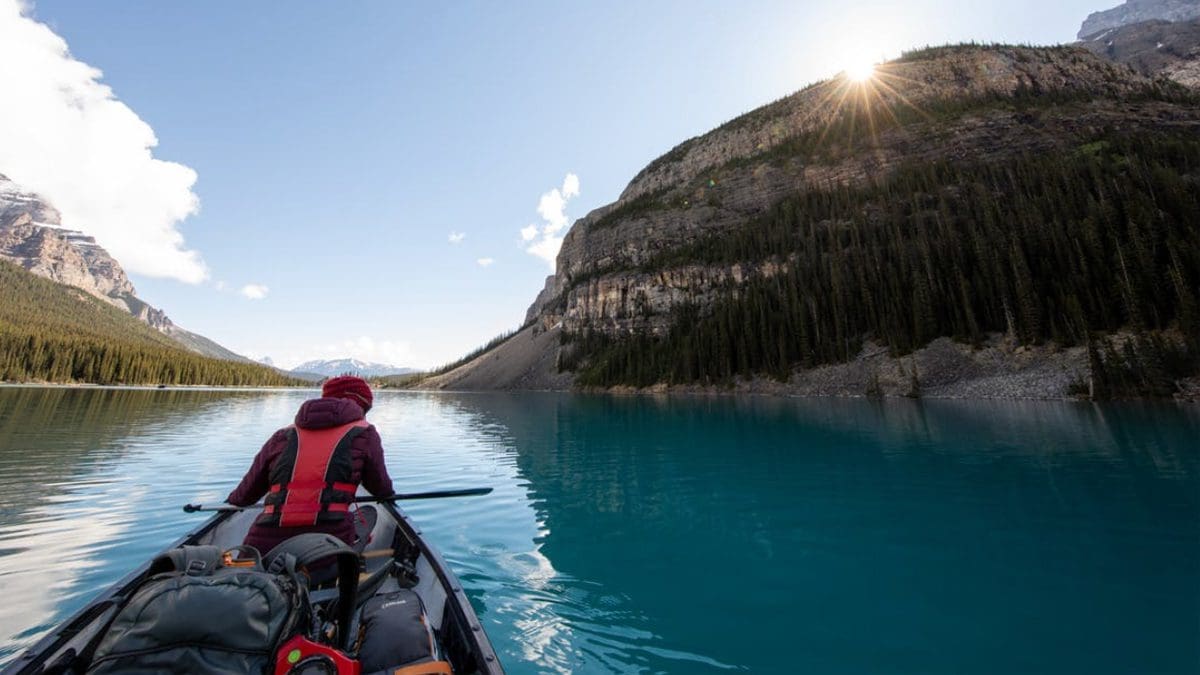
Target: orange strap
427,668
229,561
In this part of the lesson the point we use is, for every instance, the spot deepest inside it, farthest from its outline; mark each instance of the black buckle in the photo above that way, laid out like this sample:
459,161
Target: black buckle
196,567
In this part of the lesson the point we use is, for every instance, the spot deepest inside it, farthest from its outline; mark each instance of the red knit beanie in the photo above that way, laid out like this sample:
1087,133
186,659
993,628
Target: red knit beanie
347,386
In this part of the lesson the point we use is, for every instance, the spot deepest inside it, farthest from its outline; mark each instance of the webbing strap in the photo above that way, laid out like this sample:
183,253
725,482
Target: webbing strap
427,668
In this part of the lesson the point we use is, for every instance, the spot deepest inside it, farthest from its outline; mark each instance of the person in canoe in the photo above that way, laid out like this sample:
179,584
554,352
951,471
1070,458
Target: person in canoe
310,471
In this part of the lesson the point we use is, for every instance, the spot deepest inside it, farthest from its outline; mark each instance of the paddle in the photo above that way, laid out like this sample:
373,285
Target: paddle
435,494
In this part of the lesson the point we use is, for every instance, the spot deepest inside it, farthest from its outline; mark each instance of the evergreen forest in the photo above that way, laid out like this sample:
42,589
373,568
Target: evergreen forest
1067,247
50,332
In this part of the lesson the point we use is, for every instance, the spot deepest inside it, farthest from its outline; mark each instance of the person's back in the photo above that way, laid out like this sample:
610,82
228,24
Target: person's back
309,471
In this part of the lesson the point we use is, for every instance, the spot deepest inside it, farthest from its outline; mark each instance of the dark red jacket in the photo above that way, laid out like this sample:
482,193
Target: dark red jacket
368,470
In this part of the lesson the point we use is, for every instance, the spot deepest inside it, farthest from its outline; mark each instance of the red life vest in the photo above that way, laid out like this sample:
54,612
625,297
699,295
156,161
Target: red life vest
311,482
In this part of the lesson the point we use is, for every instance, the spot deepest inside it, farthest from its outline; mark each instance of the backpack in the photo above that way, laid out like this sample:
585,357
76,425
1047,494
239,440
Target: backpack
198,610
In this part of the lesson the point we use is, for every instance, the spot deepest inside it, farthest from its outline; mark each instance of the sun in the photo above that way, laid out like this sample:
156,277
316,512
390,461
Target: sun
860,69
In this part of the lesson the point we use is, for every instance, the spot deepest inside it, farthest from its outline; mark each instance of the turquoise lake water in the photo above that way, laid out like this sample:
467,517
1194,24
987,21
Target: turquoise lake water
683,535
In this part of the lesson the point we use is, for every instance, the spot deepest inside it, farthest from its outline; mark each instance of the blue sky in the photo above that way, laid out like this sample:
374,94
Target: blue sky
339,145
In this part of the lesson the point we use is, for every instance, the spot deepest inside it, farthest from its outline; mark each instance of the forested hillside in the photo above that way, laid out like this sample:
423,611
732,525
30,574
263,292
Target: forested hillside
55,333
1046,247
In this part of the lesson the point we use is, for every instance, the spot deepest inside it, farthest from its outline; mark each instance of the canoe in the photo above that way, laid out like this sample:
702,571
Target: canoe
394,542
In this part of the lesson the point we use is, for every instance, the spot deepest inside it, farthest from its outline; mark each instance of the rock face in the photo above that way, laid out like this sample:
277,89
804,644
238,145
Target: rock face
619,274
32,236
1154,48
610,275
949,73
1138,11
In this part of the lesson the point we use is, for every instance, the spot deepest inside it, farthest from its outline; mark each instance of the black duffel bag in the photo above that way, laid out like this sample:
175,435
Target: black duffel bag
200,611
395,635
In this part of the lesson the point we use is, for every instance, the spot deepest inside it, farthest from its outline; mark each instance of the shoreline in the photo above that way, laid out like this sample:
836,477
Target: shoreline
997,369
146,387
742,390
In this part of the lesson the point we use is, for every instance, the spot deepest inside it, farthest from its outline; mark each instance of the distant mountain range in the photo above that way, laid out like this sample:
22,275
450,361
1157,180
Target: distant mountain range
335,367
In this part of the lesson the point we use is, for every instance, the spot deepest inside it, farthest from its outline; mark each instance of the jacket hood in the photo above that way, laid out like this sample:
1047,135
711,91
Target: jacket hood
323,413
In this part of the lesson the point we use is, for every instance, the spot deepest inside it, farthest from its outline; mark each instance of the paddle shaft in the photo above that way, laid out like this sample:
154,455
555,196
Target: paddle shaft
435,494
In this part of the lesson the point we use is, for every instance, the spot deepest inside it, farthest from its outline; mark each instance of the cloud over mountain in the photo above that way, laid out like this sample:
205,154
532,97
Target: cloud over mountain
66,136
552,207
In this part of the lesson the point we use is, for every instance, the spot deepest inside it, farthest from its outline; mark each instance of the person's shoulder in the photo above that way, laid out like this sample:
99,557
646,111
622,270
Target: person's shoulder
281,434
369,435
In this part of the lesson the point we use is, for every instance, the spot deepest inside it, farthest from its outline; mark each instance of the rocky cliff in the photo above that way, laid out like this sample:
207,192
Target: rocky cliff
627,270
32,235
1154,48
1138,11
608,275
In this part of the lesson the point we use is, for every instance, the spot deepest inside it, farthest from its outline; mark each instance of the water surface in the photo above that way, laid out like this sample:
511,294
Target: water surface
683,535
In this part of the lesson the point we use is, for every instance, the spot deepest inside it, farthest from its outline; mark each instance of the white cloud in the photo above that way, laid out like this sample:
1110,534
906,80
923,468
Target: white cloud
66,136
221,286
255,291
570,186
546,249
485,262
552,207
457,237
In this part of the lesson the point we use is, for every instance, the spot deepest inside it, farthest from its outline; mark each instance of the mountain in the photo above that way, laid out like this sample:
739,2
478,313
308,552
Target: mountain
983,221
335,367
33,237
52,332
1154,48
1138,11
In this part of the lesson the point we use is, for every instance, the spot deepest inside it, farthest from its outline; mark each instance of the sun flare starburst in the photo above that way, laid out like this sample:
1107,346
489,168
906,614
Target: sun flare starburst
864,100
860,70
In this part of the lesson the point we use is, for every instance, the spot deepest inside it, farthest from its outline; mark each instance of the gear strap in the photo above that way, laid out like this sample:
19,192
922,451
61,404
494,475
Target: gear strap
303,550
